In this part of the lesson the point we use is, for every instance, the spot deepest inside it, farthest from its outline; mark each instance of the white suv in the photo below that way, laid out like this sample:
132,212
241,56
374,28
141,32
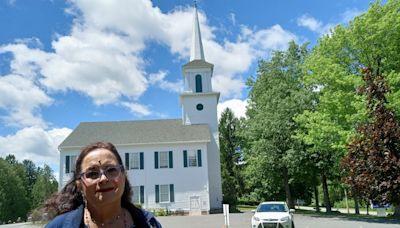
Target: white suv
273,214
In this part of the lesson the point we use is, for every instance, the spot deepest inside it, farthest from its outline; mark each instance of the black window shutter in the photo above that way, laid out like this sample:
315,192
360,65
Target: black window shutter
156,160
67,164
142,194
185,158
141,160
127,161
171,193
199,158
171,165
157,193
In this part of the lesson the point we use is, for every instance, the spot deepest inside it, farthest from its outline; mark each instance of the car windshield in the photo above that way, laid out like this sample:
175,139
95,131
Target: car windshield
272,208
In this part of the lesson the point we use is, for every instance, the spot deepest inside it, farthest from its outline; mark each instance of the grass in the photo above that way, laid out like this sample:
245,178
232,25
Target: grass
246,208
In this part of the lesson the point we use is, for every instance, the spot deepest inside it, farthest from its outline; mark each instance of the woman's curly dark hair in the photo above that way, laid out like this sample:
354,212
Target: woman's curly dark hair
70,197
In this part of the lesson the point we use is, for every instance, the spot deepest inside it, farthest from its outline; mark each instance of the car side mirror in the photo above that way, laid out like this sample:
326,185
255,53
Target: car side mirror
292,210
253,211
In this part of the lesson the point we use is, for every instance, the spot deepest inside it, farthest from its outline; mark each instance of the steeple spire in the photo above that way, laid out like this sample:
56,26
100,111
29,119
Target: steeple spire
196,53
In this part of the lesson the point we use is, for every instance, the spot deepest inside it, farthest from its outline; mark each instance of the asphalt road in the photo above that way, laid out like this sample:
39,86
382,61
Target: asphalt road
242,220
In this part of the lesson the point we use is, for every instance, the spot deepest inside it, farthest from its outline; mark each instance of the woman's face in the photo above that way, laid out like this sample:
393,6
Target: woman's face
103,181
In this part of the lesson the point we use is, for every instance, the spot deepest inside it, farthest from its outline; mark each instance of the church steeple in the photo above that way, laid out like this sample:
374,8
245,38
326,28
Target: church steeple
196,52
199,107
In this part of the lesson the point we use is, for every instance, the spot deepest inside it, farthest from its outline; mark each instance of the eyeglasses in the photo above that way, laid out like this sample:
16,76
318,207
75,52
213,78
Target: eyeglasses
111,172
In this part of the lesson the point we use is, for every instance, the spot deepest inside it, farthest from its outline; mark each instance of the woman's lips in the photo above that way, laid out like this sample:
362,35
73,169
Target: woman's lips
105,190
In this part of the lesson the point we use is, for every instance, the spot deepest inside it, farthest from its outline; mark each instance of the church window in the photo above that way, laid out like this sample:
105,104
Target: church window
192,158
134,160
165,193
138,194
199,107
70,163
163,159
199,86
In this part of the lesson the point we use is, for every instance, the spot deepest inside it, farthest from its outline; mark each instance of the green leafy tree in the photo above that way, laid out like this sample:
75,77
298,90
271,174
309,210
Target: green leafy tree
14,203
277,95
371,39
231,157
374,154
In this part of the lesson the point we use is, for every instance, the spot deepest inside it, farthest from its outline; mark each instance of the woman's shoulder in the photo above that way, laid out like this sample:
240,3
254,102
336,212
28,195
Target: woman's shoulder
151,220
69,219
143,218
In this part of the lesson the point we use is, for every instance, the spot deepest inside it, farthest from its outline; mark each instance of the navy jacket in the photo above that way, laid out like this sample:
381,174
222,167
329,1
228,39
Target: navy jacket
73,219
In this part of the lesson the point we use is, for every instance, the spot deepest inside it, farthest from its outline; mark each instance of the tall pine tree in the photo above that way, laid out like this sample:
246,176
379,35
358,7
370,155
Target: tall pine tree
231,156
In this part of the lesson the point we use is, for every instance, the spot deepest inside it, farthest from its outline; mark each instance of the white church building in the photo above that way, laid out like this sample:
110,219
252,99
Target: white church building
171,163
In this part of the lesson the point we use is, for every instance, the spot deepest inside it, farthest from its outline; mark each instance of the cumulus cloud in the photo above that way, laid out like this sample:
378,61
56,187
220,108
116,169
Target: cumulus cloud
35,144
236,105
21,99
102,56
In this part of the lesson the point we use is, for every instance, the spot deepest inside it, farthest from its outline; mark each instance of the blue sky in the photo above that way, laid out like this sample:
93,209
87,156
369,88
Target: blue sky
66,62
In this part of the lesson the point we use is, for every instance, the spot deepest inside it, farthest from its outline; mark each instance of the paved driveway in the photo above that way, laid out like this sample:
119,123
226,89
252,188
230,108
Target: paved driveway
242,220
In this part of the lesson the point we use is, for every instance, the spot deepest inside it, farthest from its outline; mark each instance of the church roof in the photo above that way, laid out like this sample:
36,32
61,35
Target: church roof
198,64
136,133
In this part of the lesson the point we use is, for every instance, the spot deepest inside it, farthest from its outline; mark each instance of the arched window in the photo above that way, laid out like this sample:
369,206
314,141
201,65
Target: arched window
199,86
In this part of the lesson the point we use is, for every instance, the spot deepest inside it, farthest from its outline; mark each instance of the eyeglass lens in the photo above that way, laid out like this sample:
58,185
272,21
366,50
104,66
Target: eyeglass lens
110,172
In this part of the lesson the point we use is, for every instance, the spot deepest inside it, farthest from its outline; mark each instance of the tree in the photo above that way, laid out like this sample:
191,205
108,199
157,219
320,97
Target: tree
31,174
373,161
44,186
231,157
371,39
14,203
276,96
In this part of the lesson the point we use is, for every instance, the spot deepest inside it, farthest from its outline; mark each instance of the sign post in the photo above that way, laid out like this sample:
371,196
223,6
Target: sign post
226,215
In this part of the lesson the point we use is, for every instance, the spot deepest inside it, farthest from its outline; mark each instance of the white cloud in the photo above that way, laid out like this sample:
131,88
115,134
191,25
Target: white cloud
137,109
158,80
237,106
232,17
313,24
274,38
318,26
310,23
35,144
21,99
27,62
228,86
102,56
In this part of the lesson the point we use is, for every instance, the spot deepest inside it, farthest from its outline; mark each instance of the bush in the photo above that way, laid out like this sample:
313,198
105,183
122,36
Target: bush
159,212
38,215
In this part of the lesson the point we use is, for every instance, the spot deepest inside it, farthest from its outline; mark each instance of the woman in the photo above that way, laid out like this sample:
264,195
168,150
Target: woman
98,195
